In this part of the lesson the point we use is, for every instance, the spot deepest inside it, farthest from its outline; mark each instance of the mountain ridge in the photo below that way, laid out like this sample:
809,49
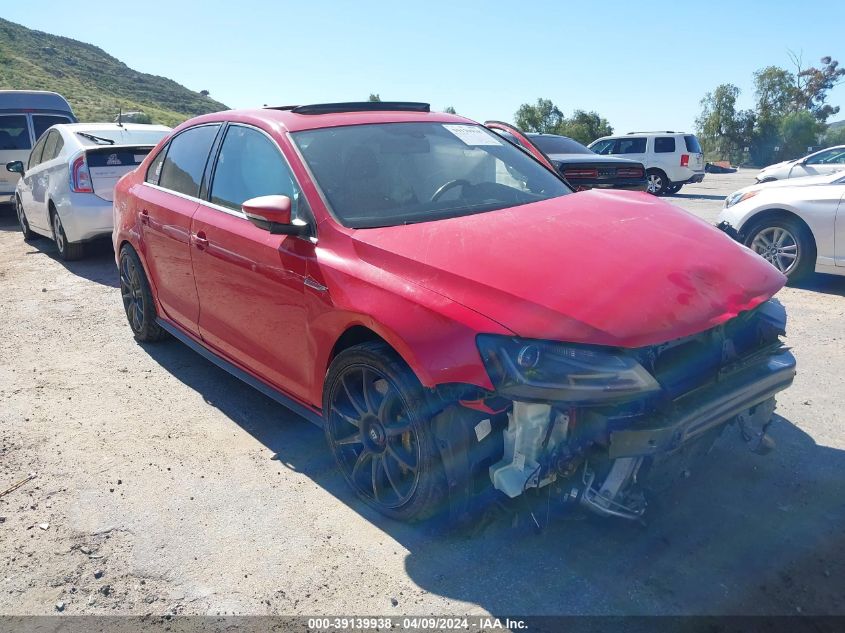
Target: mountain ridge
96,84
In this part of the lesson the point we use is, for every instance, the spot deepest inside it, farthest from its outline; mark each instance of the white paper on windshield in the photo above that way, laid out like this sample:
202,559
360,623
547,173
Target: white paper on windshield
472,135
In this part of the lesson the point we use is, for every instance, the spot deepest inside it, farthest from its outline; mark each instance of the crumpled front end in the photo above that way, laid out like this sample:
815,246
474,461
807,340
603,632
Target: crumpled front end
609,426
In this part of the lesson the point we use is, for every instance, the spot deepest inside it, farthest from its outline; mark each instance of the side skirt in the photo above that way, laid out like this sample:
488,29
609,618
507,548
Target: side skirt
271,392
830,269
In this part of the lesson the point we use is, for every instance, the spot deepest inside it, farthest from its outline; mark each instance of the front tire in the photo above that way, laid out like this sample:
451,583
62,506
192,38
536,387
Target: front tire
28,234
68,251
137,298
657,182
377,424
786,244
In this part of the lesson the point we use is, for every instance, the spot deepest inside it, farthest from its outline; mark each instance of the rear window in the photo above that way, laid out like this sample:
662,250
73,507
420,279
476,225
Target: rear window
664,144
14,133
131,158
558,145
43,122
123,137
693,145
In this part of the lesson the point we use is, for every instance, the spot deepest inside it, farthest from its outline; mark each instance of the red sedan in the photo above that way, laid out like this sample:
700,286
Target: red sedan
460,322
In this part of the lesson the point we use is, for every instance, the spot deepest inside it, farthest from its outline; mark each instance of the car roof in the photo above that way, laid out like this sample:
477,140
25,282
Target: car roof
33,100
288,120
640,134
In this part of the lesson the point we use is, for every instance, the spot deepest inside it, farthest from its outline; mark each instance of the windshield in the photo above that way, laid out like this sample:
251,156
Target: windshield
558,145
120,137
400,173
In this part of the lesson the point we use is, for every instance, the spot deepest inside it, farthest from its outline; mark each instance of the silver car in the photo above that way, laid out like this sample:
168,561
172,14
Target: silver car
66,185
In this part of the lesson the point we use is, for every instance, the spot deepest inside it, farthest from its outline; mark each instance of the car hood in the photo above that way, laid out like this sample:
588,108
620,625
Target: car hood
601,267
779,165
804,181
591,158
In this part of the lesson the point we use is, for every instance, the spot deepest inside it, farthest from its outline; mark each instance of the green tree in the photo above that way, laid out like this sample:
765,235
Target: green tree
584,127
374,97
720,127
814,83
450,110
835,136
799,131
776,93
544,117
777,96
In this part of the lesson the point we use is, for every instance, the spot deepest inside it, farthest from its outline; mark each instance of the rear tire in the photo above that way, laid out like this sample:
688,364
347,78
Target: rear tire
785,243
28,235
68,251
657,182
377,424
138,300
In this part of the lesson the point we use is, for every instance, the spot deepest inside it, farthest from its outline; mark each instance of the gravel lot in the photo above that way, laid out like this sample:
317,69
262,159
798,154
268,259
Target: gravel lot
166,486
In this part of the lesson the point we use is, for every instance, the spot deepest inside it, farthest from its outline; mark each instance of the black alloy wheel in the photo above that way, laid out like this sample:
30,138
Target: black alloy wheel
377,427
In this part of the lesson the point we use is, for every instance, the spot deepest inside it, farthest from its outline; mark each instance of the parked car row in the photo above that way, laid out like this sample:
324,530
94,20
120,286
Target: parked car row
65,172
437,296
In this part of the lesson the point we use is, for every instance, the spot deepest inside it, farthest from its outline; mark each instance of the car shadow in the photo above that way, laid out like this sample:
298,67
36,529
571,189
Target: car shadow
96,265
8,217
745,534
823,283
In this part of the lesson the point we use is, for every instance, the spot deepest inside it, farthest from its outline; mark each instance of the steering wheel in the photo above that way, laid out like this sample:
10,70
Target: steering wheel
447,186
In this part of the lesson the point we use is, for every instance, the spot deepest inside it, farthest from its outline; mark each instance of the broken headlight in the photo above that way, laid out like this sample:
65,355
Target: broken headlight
526,369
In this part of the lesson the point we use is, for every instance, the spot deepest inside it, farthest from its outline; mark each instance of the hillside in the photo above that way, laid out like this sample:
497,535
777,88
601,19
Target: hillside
95,83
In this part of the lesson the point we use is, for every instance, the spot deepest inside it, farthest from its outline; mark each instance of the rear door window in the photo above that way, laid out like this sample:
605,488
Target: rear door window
664,144
42,122
35,155
692,143
186,158
250,165
14,132
629,146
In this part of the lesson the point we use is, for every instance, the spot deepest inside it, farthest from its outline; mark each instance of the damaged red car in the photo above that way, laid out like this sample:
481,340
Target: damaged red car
459,321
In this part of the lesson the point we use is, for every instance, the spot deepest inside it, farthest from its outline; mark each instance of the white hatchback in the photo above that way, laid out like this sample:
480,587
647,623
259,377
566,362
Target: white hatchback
66,185
671,159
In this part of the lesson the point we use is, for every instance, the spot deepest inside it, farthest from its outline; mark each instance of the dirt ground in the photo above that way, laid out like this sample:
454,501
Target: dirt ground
163,485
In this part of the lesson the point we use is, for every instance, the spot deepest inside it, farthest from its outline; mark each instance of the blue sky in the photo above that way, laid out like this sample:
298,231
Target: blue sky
642,65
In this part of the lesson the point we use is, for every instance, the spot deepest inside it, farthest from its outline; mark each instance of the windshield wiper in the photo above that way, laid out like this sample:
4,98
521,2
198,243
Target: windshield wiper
96,139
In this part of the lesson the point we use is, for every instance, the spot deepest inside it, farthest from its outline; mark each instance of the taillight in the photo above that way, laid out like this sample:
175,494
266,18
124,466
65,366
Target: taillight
80,178
629,172
580,173
684,160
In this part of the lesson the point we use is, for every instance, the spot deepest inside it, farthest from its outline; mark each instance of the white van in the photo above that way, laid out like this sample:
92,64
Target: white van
24,116
671,159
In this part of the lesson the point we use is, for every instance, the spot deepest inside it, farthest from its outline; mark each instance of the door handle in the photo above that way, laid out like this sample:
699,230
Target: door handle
199,240
145,216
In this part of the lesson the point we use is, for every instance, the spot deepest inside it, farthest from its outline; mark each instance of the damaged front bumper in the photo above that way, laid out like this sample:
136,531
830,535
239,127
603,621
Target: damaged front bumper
619,420
733,394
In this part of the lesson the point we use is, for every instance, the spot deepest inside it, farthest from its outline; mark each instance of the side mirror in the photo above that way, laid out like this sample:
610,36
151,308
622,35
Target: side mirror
16,167
273,213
